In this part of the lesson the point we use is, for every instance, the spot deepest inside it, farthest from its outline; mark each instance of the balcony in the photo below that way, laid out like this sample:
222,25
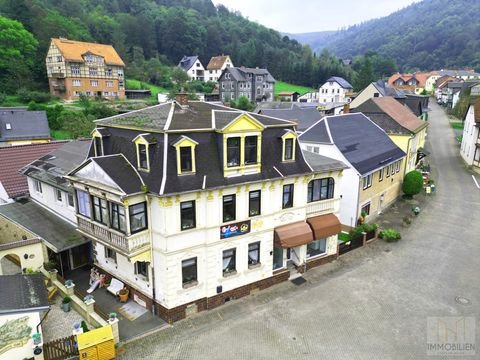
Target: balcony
59,87
323,207
59,75
128,245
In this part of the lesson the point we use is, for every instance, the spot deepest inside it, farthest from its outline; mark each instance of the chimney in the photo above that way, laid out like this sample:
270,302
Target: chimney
182,98
346,108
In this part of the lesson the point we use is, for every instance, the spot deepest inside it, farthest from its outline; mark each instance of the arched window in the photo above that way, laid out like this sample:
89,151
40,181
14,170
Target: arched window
320,189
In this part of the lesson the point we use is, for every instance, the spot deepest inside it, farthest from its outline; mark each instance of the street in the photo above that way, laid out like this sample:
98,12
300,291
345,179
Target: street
372,303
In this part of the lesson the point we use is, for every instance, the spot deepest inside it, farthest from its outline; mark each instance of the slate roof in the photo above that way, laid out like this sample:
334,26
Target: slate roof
52,167
23,293
341,81
200,122
74,50
58,234
240,73
365,146
457,73
377,108
187,62
385,90
13,158
322,163
23,125
304,117
216,62
151,118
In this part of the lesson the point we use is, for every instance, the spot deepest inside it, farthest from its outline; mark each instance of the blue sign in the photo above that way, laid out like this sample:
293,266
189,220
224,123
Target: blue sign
236,229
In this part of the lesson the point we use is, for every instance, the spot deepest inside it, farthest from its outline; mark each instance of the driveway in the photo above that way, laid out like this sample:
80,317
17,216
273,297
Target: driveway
372,303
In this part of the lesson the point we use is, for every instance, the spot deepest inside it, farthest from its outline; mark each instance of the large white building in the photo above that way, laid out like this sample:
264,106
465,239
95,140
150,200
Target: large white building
470,148
199,204
193,67
216,66
335,90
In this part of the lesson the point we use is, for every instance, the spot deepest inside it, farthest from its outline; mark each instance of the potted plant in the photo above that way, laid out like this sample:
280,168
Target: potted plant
123,294
66,303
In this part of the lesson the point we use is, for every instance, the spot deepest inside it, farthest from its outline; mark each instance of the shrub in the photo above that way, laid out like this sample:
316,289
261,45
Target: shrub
84,326
412,183
390,235
3,97
363,228
26,96
66,300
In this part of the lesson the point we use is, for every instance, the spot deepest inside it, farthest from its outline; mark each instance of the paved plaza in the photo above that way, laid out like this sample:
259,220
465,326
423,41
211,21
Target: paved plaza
372,303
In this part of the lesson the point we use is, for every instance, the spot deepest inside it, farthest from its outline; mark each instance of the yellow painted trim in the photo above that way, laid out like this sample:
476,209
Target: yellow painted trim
186,143
143,257
244,123
242,168
96,134
142,141
293,136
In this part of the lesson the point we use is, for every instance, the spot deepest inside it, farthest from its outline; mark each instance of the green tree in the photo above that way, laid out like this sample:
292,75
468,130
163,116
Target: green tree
76,123
412,183
242,103
364,76
17,53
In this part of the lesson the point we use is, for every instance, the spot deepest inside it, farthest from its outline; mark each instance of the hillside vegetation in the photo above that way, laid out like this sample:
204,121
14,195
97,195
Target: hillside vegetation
431,34
281,86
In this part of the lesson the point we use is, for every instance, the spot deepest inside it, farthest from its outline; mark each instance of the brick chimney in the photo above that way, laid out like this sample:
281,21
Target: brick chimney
182,98
346,108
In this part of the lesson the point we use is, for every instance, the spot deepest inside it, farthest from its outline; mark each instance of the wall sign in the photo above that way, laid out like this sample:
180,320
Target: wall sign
236,229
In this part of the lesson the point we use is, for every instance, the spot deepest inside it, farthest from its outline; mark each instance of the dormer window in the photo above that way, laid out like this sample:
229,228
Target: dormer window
142,156
185,148
233,151
251,150
98,145
289,139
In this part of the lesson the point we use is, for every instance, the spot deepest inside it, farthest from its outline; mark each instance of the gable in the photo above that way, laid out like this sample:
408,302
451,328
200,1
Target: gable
242,124
93,172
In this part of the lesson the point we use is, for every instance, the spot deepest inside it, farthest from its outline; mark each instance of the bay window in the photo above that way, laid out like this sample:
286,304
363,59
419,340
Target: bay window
100,212
83,202
118,217
138,217
320,189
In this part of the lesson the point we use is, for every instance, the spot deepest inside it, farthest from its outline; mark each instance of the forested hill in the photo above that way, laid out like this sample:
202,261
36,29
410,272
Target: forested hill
150,33
431,34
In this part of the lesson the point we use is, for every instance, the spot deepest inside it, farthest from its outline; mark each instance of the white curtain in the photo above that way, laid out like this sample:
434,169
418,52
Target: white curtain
226,262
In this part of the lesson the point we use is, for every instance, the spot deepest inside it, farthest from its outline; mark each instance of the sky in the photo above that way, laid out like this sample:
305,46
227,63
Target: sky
300,16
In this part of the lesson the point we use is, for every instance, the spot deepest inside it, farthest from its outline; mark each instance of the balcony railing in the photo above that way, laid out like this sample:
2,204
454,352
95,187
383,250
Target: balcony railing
58,74
323,207
124,243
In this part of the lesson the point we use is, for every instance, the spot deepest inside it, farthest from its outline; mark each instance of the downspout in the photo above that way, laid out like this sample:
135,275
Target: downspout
408,151
44,316
151,255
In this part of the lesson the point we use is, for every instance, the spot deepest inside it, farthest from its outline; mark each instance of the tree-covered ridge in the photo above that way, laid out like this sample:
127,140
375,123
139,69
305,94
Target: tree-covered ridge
431,34
149,34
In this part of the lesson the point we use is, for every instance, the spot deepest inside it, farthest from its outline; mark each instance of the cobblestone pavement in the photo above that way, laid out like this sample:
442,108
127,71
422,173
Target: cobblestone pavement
372,303
59,324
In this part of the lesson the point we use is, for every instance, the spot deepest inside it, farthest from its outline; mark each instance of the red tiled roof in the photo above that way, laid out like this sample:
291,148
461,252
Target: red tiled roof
12,158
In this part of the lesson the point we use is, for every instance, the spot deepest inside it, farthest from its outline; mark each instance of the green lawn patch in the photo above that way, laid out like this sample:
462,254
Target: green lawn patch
281,86
343,236
457,125
133,84
61,135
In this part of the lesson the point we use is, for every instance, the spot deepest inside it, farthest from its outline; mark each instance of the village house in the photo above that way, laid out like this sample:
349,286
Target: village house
375,174
193,67
309,97
458,74
253,83
470,148
76,67
412,82
200,204
216,66
21,127
335,90
405,129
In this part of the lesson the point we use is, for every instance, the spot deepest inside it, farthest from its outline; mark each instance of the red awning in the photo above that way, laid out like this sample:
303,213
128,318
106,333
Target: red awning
293,235
324,225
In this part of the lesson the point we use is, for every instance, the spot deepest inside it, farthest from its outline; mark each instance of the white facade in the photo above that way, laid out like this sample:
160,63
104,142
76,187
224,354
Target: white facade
21,347
214,74
196,71
468,149
333,92
54,199
369,92
308,97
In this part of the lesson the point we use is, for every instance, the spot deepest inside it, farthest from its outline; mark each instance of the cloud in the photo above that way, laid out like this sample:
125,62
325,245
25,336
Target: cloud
313,15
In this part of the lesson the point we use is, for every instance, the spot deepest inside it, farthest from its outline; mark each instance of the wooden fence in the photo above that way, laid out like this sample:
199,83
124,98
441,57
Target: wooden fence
60,349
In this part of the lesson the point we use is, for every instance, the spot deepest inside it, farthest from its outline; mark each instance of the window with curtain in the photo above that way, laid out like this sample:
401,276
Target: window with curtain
141,268
320,189
254,203
83,202
287,201
229,261
317,247
138,217
254,253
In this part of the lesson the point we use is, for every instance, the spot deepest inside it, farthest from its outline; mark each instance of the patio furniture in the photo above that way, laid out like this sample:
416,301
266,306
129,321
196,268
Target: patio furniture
123,294
115,286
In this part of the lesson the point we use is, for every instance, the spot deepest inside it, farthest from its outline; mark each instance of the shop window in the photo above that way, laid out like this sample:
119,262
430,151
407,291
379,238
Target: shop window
317,247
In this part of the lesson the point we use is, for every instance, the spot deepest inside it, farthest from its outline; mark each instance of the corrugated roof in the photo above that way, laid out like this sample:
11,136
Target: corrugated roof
13,158
74,50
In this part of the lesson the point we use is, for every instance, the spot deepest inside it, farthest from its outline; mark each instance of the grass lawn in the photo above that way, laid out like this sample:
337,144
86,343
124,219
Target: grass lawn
281,86
457,125
133,84
61,135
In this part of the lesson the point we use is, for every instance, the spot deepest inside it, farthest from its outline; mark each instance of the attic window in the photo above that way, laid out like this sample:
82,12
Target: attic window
289,139
98,146
186,158
142,156
8,126
185,148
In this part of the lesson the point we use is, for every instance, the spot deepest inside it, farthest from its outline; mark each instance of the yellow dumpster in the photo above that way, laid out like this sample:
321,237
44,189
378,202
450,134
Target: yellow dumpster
97,344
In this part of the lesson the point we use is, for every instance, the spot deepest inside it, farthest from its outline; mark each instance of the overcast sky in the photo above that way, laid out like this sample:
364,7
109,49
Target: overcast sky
299,16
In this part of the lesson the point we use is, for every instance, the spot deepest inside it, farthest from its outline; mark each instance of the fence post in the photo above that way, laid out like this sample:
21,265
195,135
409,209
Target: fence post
116,334
364,238
90,305
70,289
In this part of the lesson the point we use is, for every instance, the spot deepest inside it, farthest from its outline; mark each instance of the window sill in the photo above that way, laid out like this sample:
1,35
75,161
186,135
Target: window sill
316,256
190,284
185,173
229,273
254,266
141,278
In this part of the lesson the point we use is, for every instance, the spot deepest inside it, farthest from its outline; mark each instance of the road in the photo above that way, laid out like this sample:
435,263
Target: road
372,303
